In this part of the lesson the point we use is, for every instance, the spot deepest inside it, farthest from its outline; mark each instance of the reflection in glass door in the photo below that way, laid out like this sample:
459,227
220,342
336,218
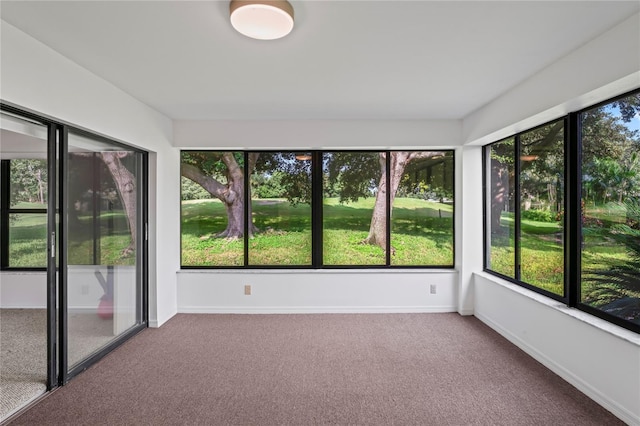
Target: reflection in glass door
104,219
25,338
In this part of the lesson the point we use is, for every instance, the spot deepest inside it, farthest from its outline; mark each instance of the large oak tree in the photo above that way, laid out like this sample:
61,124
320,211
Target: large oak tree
221,174
357,172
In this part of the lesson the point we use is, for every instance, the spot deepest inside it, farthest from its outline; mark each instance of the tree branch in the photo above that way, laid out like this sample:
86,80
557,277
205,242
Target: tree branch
215,188
253,159
419,155
233,168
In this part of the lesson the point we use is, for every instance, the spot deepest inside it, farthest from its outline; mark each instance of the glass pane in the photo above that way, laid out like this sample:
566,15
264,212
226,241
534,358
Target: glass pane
212,208
104,223
29,183
542,207
422,218
28,240
23,332
611,208
280,209
354,208
501,256
24,153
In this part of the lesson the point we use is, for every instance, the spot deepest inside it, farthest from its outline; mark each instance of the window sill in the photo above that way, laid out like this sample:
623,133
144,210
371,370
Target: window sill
22,272
318,271
603,325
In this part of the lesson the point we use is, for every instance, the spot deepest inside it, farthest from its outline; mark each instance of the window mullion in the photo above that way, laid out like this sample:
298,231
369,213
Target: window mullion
247,205
316,209
388,208
573,210
517,208
5,170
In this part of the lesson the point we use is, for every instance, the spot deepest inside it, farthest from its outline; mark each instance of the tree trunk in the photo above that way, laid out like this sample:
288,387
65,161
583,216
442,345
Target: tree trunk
126,185
500,193
398,163
378,228
40,186
234,205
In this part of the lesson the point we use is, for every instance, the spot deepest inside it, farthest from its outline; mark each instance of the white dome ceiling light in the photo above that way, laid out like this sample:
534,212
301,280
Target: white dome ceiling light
262,20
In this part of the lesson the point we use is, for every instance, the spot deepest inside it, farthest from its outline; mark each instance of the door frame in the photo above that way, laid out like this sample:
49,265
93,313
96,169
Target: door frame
57,234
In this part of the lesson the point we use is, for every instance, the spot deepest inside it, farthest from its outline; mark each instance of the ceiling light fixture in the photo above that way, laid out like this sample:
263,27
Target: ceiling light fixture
262,19
303,156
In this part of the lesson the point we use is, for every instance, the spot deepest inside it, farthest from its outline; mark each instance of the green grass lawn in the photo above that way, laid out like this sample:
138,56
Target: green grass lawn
542,256
502,254
422,234
610,213
541,253
28,241
28,205
114,238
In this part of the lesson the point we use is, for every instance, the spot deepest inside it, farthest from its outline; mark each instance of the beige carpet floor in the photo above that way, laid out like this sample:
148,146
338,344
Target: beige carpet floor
332,369
23,356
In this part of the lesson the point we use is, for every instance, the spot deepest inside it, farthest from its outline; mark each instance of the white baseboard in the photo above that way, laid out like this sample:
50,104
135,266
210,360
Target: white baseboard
313,309
155,322
621,412
81,309
22,307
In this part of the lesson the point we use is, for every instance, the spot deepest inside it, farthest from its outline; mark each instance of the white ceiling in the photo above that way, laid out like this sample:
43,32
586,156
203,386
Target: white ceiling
343,59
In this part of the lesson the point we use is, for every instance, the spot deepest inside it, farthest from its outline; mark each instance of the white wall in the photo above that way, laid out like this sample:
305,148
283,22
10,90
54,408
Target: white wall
468,223
318,134
28,290
599,358
23,290
317,291
36,78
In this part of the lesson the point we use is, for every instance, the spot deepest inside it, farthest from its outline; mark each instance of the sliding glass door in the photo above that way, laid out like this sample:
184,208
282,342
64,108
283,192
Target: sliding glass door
104,204
72,250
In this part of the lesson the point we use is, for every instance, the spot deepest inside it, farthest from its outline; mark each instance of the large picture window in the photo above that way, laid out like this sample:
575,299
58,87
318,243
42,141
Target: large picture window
526,207
541,190
280,209
610,208
549,202
212,208
317,209
501,255
422,203
352,199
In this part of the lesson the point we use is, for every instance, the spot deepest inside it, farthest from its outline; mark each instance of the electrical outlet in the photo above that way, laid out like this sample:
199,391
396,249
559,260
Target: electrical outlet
432,289
247,290
84,289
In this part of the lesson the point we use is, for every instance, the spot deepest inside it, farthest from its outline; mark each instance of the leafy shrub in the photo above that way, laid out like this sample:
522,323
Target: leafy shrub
620,281
192,191
538,215
268,186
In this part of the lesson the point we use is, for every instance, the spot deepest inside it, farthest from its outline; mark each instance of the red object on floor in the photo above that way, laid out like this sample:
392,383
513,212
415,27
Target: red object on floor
105,308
